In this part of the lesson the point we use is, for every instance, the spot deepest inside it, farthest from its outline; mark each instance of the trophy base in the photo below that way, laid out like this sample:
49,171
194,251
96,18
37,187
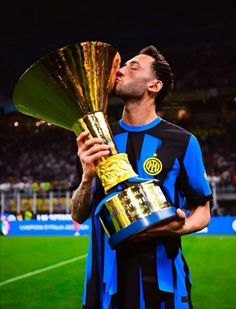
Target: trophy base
125,213
131,231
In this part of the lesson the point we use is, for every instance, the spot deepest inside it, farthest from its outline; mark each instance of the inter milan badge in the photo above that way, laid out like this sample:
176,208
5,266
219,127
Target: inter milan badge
153,165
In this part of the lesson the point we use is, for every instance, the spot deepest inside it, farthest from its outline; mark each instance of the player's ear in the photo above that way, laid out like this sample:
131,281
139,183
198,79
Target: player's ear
155,85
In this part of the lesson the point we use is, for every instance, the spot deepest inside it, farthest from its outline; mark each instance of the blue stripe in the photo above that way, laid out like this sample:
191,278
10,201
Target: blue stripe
180,288
195,168
141,295
121,141
88,270
106,301
99,258
149,148
110,274
164,270
163,304
140,128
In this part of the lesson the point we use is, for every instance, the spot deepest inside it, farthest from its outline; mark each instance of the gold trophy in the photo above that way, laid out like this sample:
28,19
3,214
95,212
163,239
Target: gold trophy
70,88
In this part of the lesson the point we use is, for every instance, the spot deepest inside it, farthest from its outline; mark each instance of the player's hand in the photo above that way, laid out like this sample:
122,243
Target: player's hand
89,152
175,227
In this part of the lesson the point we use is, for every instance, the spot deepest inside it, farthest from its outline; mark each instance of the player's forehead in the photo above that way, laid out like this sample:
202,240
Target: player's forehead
141,60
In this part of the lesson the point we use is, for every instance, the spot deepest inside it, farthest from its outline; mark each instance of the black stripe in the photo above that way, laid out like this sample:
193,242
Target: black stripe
128,279
92,290
115,127
133,147
187,283
192,198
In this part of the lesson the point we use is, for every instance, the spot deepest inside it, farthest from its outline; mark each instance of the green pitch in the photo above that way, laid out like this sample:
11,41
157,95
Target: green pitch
48,272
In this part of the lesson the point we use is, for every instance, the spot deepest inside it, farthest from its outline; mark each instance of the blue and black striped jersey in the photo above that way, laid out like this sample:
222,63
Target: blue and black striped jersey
150,274
169,153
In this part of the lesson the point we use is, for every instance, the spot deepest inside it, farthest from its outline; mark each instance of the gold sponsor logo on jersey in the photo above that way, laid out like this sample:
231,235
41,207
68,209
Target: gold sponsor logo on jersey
152,165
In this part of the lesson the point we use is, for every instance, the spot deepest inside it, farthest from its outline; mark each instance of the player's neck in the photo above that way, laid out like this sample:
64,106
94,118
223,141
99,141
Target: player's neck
139,113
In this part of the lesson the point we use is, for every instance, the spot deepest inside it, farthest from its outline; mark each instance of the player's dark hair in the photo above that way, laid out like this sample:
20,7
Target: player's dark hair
162,71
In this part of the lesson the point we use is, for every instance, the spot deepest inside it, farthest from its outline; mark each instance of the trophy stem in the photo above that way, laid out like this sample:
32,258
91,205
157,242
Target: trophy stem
96,123
115,168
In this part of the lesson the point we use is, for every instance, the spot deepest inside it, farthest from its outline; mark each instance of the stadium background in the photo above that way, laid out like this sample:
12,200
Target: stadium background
37,160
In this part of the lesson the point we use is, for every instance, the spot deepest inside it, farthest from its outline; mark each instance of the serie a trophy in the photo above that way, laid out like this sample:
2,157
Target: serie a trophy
70,88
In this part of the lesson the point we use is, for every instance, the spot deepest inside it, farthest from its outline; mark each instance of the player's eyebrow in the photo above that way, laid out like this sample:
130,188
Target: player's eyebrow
132,62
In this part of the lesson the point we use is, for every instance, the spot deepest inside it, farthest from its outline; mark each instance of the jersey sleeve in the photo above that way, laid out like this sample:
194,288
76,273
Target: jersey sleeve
194,180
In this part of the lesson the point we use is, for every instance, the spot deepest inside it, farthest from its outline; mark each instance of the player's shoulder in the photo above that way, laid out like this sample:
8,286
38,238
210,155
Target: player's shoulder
173,128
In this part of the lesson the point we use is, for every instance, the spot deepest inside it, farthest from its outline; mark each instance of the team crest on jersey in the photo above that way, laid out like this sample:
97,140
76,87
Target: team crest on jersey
152,165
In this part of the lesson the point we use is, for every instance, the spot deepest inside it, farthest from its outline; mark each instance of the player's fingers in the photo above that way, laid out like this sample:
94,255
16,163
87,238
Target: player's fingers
82,138
181,214
93,159
96,149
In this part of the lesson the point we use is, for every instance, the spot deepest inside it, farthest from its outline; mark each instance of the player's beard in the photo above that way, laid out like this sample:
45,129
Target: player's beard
132,91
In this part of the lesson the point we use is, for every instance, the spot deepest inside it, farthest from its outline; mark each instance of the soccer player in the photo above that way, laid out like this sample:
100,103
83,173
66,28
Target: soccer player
150,272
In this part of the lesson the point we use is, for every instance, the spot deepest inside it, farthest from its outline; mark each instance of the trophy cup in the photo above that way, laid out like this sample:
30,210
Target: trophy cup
70,88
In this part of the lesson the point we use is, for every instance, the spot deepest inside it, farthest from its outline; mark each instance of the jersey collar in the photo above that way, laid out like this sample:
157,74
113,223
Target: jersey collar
139,128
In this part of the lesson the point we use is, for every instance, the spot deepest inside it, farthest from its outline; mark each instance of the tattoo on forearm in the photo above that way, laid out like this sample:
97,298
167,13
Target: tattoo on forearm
81,203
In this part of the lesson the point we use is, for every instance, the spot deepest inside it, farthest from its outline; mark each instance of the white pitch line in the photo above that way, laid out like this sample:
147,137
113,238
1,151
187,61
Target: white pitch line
35,272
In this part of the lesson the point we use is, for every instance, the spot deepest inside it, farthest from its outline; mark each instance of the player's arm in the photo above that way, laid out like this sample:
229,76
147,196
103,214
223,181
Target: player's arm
197,219
89,152
81,201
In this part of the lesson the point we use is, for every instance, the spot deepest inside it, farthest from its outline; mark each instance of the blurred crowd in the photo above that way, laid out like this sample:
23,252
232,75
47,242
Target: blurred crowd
36,158
208,65
42,158
219,152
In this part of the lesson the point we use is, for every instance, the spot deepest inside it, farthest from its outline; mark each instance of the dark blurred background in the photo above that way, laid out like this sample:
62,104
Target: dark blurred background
199,43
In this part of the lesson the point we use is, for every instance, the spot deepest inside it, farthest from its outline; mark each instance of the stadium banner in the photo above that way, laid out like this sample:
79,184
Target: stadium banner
220,225
62,224
47,225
